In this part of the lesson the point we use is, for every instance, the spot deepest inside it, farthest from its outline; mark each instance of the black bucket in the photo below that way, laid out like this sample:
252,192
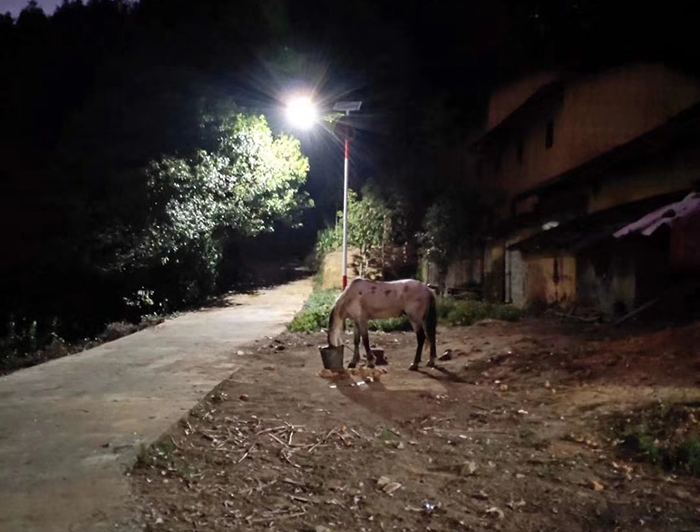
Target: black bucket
332,357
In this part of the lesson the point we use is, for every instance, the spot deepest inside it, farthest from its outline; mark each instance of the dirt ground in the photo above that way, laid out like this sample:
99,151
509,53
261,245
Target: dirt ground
510,434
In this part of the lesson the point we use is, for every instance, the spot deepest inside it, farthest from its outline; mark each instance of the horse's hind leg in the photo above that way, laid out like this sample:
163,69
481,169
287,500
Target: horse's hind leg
356,354
420,336
430,326
433,351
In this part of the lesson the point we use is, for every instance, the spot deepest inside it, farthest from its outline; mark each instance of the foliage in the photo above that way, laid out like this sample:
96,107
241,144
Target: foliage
315,313
665,435
368,221
466,312
390,324
246,183
443,232
369,226
317,309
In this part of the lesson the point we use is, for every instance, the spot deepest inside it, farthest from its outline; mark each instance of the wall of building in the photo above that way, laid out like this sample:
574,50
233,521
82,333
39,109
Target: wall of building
462,272
507,99
595,115
622,274
516,278
670,172
606,280
494,272
550,280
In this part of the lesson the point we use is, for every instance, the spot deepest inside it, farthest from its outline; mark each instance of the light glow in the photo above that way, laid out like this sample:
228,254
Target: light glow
301,112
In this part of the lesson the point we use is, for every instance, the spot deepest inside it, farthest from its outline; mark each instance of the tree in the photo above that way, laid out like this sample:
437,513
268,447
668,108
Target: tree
369,226
368,221
449,223
249,180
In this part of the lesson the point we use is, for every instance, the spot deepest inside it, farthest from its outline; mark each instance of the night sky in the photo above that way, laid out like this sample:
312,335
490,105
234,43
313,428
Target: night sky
15,6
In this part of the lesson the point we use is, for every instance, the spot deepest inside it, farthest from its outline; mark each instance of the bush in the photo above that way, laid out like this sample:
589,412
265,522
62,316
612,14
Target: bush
456,312
391,324
116,330
663,434
317,309
314,315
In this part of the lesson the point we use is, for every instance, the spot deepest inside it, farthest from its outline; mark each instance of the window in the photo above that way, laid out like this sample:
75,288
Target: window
549,140
520,151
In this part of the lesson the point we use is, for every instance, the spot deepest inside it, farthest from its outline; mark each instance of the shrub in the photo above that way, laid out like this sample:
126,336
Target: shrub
317,309
314,315
456,312
391,324
663,434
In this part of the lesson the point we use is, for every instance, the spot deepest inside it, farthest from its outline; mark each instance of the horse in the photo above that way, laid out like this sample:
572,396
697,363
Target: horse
365,300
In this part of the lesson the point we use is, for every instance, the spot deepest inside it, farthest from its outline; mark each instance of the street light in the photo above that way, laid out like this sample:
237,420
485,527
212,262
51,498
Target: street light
302,113
346,107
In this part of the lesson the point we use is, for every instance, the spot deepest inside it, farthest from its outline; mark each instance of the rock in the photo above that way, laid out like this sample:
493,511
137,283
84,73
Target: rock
480,495
391,488
159,521
383,481
280,348
400,445
321,528
244,397
597,486
469,468
240,353
447,355
495,512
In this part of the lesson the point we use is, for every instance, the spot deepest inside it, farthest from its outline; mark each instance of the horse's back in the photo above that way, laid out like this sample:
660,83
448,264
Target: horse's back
387,299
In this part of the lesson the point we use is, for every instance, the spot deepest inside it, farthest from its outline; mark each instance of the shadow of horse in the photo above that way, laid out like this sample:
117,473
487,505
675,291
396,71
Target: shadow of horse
396,404
449,376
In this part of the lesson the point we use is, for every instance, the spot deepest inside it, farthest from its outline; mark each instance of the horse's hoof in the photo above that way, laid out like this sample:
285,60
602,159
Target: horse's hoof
431,364
382,362
413,367
370,365
352,365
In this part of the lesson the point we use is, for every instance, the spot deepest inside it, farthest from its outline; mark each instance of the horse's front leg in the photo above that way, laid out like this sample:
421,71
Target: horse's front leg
364,332
356,353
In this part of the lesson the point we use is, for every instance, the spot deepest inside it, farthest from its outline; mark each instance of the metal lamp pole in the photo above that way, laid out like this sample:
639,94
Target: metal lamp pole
345,212
346,107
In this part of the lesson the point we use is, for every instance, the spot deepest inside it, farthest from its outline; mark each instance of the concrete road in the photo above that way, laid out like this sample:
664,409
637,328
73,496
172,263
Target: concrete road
70,427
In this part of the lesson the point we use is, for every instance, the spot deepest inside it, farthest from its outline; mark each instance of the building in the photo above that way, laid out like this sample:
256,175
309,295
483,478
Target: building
576,159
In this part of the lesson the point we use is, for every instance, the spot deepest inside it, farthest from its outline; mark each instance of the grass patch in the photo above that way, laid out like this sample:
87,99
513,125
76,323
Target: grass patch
391,324
664,435
314,315
466,312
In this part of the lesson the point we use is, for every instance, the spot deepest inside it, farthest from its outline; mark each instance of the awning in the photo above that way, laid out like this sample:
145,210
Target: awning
582,232
667,215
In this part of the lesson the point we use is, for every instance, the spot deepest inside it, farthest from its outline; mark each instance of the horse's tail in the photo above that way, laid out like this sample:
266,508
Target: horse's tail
431,321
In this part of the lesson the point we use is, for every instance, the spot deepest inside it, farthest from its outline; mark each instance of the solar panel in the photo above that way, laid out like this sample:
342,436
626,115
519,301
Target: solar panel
347,106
